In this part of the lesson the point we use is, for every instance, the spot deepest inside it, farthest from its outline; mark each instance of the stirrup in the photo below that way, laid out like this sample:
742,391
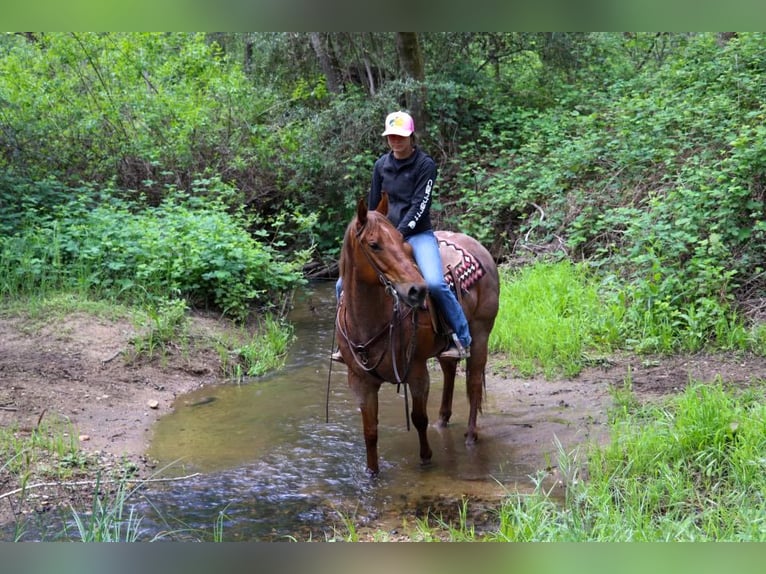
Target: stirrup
337,357
454,352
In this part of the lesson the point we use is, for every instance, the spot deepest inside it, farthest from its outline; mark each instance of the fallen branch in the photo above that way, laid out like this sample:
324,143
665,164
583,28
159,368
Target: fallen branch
542,217
93,483
112,358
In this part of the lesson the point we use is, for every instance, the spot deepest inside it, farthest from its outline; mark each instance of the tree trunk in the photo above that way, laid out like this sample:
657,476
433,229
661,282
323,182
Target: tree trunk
248,61
325,62
411,62
723,38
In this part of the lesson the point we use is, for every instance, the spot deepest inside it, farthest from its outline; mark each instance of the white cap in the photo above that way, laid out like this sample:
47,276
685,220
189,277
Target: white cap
399,124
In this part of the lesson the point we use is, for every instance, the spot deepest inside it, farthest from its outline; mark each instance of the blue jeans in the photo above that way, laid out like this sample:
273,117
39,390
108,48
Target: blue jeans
426,251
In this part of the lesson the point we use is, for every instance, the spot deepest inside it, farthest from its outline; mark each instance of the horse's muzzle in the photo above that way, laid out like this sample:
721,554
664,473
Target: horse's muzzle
413,294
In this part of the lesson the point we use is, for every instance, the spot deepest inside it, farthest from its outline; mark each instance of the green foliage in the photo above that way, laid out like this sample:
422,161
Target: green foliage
155,103
165,325
656,176
145,113
49,450
550,318
110,519
194,250
643,154
267,350
25,201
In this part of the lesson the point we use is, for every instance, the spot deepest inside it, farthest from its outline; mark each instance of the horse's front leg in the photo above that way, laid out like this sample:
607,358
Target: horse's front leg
419,383
366,393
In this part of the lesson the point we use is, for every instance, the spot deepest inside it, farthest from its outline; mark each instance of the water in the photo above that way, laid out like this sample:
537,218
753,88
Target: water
271,462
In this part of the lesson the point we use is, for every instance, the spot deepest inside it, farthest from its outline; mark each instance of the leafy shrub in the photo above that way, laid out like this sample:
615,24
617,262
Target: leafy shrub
200,252
267,350
662,187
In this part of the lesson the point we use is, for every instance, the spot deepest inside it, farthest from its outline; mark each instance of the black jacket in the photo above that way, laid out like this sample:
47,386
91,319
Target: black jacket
409,184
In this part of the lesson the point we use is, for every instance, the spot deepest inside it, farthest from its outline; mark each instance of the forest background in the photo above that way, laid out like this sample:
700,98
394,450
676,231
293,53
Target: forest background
220,169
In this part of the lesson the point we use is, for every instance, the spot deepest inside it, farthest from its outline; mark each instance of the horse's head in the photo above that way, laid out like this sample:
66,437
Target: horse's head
379,254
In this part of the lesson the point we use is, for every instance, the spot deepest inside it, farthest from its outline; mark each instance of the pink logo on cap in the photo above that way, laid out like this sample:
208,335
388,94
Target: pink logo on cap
399,124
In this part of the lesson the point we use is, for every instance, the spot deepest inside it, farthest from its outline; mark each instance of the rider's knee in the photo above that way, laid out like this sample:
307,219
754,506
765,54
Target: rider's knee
437,285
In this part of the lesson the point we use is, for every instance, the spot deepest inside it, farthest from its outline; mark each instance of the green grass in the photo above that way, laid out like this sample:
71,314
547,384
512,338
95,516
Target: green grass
113,518
49,450
44,308
267,349
160,324
551,319
689,468
556,318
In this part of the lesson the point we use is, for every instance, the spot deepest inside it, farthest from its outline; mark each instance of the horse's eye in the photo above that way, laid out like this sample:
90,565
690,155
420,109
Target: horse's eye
375,246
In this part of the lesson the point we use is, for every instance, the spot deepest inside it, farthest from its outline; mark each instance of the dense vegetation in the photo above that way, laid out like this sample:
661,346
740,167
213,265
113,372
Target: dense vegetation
217,167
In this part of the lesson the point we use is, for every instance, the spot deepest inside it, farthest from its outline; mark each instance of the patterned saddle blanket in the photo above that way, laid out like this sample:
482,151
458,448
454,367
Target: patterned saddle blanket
459,265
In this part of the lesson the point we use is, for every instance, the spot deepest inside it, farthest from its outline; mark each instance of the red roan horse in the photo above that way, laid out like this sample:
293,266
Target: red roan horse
385,332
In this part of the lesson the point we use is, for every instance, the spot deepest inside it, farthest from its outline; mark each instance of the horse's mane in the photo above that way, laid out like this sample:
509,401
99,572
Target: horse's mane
346,247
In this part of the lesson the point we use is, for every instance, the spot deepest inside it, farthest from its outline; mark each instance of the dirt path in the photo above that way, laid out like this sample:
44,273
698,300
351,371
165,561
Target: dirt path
74,373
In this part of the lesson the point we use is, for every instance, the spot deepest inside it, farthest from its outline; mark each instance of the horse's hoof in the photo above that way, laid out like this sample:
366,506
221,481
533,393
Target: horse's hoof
471,438
442,423
373,473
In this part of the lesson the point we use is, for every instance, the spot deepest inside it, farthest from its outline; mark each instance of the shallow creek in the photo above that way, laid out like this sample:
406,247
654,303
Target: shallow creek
281,459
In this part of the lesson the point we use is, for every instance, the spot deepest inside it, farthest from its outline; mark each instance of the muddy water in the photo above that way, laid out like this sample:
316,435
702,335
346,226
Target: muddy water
266,454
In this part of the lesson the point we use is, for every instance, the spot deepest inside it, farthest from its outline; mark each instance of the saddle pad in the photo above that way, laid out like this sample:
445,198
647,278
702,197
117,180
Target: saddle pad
465,266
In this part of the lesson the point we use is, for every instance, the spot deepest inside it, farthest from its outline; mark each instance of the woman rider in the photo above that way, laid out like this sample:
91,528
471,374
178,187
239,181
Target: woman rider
407,174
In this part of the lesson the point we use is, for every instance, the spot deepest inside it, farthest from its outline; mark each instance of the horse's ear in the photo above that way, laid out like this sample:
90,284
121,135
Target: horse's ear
383,203
361,211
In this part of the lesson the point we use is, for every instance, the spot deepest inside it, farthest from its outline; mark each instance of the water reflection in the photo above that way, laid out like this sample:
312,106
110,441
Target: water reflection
267,455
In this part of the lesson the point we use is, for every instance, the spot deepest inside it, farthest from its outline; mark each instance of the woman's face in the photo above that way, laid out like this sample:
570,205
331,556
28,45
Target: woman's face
400,145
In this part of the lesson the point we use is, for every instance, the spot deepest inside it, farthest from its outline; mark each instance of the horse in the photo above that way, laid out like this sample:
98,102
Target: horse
386,332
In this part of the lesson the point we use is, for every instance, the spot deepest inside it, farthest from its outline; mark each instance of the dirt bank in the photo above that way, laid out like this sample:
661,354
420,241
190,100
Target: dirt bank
75,377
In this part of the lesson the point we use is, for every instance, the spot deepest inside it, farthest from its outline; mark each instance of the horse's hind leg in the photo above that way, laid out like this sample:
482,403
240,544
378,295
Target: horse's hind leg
475,366
449,368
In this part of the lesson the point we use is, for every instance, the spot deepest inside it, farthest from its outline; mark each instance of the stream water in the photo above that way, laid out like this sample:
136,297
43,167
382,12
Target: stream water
280,458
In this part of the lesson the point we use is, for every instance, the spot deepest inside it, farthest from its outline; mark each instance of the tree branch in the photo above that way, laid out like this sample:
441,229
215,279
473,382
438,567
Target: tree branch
93,483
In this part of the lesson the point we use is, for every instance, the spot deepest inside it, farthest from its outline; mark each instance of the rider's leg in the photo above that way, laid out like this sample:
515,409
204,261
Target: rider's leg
426,251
